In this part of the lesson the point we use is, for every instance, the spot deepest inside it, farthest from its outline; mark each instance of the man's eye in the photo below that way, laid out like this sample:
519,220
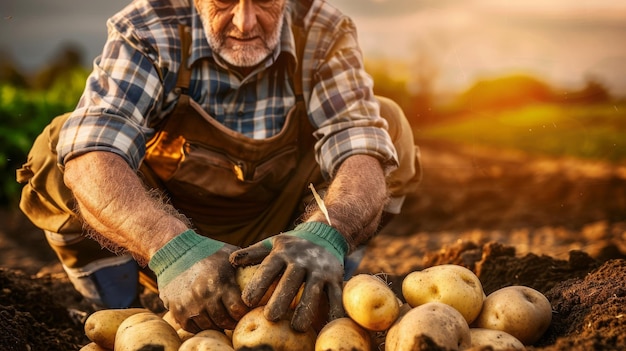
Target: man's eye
230,2
264,3
225,2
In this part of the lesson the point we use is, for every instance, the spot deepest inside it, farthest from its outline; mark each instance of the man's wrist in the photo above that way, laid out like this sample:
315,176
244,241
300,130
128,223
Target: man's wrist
324,235
180,253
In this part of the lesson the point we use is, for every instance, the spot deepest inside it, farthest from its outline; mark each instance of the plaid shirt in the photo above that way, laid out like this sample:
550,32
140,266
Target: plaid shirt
133,84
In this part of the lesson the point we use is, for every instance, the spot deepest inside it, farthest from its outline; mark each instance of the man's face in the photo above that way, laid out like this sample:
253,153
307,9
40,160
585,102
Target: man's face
242,32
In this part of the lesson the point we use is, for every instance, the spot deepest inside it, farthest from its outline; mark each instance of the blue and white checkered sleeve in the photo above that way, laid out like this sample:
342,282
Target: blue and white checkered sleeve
120,94
345,111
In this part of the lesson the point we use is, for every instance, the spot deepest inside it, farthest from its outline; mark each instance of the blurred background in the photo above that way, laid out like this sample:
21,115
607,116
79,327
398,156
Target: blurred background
546,77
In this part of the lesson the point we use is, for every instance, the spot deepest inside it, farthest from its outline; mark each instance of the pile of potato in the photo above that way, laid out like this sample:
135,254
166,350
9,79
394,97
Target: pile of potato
445,303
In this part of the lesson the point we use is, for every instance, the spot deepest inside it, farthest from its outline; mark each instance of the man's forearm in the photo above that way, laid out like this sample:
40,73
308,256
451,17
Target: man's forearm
355,199
113,201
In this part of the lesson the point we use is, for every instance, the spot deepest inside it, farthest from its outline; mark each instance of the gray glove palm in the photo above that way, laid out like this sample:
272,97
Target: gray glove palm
312,254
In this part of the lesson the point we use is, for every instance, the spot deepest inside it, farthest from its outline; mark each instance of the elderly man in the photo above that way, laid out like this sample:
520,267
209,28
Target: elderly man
201,135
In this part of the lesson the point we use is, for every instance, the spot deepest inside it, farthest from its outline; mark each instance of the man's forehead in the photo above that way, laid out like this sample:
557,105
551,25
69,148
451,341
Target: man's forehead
260,2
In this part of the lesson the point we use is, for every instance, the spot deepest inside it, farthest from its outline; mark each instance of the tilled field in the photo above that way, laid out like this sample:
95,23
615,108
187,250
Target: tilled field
557,225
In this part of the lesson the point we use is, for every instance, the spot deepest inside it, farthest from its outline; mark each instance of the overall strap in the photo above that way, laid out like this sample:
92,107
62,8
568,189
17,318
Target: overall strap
184,72
300,41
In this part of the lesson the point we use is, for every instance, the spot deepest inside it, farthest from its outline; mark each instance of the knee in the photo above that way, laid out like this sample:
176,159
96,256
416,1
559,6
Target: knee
405,179
101,277
107,283
399,129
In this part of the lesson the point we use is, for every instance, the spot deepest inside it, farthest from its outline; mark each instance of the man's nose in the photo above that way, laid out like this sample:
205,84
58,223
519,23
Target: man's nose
244,17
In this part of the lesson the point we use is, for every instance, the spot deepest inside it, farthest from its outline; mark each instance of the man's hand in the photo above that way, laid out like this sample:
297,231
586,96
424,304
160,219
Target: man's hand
197,283
311,254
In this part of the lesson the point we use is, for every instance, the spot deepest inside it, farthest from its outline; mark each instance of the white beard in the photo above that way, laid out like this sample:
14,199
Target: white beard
241,55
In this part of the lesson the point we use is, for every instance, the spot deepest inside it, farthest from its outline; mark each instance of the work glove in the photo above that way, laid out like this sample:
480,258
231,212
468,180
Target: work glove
197,283
313,254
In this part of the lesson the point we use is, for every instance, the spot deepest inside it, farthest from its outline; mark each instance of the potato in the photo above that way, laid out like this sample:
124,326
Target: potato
243,275
207,340
451,284
518,310
169,318
146,330
216,334
497,339
343,334
370,302
101,326
441,322
377,338
92,346
204,344
182,333
254,330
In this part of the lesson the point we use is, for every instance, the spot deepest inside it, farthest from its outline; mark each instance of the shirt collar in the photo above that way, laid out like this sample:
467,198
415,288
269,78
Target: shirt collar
200,48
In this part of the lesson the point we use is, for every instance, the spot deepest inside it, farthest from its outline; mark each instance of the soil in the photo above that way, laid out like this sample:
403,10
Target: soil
557,225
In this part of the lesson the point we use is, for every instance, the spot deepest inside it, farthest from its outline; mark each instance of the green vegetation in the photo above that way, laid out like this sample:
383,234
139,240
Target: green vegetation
24,112
593,131
517,111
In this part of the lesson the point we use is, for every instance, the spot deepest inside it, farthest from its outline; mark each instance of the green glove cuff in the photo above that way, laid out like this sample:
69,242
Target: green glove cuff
321,234
180,253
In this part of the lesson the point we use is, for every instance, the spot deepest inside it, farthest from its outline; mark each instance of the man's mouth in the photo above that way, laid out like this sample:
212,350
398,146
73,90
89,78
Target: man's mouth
238,43
244,40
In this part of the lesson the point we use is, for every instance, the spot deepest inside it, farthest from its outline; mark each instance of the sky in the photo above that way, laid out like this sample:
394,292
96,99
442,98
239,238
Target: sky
563,42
